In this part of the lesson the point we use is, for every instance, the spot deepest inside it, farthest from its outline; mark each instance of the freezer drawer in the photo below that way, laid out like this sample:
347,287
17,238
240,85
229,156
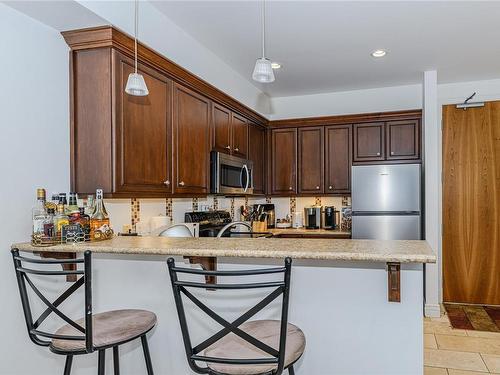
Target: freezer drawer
388,227
386,187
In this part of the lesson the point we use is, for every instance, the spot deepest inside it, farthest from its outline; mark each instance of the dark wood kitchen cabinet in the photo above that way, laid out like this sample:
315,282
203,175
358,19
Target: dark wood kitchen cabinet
239,128
191,131
310,160
230,132
284,161
338,160
369,142
403,140
221,125
257,154
143,131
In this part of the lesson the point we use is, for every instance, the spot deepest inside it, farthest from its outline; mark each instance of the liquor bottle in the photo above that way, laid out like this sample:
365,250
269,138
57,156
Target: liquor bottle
100,217
72,205
62,199
39,213
84,221
49,223
60,220
90,206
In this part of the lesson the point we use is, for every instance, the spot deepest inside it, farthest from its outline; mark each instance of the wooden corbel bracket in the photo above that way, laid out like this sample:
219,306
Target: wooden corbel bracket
394,281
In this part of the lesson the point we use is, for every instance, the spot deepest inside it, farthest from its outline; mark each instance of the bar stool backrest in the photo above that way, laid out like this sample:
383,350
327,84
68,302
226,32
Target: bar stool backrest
281,287
23,273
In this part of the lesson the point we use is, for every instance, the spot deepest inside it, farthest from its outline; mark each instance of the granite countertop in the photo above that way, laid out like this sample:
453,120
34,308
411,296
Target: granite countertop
322,249
310,232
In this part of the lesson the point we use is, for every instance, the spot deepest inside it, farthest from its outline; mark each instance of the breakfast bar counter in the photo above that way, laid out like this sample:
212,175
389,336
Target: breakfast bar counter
358,302
318,249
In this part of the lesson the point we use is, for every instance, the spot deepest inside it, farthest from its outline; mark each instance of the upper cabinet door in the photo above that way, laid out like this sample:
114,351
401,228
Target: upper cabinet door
369,142
221,129
338,140
191,141
284,161
403,140
239,128
257,154
143,131
311,158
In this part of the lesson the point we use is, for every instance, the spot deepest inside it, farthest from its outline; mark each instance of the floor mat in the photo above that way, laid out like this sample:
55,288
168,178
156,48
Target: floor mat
474,317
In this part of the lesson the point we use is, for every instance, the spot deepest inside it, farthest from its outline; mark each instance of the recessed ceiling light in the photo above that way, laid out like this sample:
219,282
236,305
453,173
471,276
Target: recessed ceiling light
379,53
275,65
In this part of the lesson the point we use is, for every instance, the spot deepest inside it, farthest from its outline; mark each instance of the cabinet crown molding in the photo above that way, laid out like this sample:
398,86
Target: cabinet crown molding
111,37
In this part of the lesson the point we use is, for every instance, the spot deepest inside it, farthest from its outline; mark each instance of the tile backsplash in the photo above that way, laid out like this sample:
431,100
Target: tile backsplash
130,211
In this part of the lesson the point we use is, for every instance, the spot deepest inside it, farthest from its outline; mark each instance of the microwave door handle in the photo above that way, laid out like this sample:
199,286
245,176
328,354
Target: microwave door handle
248,177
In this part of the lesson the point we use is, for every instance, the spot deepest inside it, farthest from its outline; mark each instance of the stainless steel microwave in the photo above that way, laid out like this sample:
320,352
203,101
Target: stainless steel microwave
230,174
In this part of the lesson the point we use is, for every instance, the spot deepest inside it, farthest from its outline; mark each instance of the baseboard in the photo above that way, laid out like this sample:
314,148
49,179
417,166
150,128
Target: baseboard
432,310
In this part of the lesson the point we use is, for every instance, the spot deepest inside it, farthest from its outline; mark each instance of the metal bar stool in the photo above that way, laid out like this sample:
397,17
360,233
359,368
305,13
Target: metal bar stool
258,347
93,332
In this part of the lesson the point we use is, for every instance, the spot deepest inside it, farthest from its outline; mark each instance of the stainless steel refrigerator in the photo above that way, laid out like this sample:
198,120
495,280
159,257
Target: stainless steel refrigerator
386,202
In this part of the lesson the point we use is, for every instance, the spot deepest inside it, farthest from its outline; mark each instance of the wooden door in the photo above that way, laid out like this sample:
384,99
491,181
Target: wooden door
221,129
369,142
257,154
191,140
284,161
471,204
338,140
403,140
143,131
311,160
239,127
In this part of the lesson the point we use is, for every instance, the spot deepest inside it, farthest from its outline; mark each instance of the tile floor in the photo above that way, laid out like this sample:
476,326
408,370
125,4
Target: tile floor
450,351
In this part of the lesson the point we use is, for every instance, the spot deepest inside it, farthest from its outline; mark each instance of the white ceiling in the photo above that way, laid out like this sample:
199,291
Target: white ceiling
325,46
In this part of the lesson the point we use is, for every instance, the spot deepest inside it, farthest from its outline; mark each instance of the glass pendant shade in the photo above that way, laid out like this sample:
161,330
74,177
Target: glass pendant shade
136,85
263,71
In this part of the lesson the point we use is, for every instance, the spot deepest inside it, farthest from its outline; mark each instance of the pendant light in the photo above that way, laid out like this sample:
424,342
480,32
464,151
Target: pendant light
263,71
135,84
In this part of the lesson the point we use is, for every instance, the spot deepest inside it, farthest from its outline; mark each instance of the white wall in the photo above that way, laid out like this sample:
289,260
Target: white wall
348,102
34,151
161,34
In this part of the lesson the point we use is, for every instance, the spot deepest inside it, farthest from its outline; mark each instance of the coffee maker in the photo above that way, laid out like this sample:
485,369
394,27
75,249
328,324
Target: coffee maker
312,217
330,218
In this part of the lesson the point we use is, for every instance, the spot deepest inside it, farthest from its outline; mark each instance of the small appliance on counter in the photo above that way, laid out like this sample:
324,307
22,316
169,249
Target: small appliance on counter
330,218
297,220
312,217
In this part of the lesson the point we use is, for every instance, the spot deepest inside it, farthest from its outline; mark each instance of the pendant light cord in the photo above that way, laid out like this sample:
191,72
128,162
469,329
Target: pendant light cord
136,22
263,28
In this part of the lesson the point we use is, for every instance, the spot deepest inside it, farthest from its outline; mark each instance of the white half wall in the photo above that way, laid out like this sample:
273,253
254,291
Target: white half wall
382,99
34,150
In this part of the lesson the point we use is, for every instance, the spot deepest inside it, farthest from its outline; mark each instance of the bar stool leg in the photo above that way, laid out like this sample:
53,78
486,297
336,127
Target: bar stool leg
147,357
101,361
67,365
116,360
291,371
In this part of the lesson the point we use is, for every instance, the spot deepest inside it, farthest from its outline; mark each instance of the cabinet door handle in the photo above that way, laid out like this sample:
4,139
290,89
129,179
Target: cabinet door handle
166,182
392,152
181,183
317,187
236,149
228,147
378,153
330,187
290,188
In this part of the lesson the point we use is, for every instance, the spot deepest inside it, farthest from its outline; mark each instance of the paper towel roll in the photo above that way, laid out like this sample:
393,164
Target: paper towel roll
159,221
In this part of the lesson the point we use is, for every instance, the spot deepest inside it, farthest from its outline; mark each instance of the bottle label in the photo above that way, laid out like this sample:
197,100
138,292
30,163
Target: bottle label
74,233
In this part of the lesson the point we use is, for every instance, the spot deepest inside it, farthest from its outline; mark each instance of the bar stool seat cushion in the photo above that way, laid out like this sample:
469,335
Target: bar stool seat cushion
267,331
109,328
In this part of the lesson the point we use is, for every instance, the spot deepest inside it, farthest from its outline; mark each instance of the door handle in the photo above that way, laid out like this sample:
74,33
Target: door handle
248,177
167,182
181,183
